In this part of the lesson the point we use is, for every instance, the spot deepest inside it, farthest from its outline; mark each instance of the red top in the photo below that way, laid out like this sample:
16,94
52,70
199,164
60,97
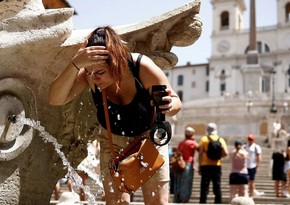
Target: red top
187,147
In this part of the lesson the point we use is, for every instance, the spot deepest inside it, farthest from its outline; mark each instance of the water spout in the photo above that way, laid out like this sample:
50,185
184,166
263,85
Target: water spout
72,173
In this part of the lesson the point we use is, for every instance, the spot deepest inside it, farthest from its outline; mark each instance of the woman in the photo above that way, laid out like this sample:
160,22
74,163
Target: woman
287,168
278,174
127,84
183,179
239,174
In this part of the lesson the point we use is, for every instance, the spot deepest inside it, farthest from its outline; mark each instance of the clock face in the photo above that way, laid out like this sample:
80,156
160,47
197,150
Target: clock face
223,46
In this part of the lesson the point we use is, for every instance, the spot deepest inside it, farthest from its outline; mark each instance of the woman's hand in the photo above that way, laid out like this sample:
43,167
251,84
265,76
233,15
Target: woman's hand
88,56
168,99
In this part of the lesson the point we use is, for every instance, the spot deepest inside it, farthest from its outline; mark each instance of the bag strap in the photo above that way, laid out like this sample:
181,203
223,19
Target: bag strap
131,147
210,139
104,97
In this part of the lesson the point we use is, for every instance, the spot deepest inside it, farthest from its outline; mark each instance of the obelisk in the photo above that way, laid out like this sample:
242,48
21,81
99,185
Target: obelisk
252,70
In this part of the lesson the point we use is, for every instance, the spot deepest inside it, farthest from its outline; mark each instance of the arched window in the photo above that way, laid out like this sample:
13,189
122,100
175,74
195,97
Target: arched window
287,12
225,20
180,80
261,48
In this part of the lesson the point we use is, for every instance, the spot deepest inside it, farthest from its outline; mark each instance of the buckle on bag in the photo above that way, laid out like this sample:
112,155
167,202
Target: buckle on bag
143,164
113,165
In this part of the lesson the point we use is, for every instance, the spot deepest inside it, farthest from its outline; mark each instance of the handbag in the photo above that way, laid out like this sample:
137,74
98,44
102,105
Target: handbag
177,162
136,163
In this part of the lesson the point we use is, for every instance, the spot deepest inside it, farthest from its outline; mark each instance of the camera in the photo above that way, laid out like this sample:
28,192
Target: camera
160,132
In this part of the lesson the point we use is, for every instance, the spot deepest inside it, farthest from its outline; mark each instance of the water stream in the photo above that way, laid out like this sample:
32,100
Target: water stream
72,173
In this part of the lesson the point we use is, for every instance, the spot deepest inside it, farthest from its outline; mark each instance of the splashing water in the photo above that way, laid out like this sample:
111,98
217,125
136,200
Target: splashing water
77,180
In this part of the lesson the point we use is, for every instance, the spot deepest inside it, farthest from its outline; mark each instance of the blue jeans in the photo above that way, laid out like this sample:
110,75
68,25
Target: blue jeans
208,174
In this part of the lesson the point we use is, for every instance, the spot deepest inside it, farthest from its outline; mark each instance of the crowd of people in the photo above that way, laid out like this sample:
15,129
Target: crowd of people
245,158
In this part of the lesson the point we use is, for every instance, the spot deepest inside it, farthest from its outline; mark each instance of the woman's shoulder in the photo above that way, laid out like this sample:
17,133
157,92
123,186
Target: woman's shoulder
143,57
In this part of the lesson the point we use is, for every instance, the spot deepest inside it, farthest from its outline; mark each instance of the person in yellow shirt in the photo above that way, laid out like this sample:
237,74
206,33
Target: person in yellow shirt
209,168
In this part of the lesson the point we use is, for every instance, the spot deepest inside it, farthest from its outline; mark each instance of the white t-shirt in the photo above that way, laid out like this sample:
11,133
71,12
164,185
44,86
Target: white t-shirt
253,150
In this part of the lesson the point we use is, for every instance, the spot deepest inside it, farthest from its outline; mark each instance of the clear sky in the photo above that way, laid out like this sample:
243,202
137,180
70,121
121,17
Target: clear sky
93,13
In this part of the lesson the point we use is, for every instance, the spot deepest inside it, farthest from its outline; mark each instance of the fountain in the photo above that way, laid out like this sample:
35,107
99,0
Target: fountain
35,45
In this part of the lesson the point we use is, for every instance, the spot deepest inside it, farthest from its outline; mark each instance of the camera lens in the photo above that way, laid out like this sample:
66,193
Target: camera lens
160,133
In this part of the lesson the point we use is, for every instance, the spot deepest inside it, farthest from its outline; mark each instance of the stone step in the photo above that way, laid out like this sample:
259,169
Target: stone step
263,183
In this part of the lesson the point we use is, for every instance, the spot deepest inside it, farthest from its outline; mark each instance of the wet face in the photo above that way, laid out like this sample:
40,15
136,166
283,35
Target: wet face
100,75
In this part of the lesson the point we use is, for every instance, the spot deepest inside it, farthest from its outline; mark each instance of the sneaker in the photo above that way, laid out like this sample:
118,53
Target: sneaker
258,193
286,194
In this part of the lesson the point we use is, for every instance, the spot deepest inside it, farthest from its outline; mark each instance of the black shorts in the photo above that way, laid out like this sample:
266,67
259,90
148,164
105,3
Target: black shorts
239,178
252,173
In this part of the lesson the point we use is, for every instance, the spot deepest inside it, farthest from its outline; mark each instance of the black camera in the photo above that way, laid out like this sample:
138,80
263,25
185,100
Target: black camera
160,132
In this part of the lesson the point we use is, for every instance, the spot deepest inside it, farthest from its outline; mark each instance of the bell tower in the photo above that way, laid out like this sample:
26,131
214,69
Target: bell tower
228,15
227,20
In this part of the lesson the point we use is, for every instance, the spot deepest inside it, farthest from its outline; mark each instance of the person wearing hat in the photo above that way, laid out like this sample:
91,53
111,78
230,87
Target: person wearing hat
183,179
255,156
239,173
210,169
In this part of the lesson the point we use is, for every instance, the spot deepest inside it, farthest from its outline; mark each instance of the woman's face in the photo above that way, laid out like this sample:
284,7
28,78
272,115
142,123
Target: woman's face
100,75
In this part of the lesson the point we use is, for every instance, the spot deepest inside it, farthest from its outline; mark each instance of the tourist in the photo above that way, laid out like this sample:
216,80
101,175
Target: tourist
239,173
210,169
255,156
127,78
90,165
63,181
171,154
287,167
278,174
183,179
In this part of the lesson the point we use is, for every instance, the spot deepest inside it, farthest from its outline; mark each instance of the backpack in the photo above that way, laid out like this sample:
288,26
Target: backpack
214,150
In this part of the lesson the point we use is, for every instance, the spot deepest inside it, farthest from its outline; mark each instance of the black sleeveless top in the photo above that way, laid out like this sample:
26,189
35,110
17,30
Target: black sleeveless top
132,119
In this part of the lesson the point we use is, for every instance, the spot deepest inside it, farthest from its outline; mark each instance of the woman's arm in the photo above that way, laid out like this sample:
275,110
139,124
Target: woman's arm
150,74
66,86
73,79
